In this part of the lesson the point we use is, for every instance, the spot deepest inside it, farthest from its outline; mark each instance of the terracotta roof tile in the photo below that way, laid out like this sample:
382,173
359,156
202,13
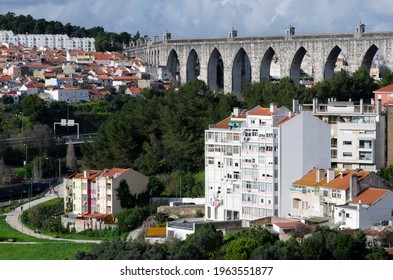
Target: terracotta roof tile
114,171
370,196
387,89
260,112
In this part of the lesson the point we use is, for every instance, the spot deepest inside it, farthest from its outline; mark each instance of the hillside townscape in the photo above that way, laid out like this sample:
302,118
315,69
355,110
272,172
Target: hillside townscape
122,151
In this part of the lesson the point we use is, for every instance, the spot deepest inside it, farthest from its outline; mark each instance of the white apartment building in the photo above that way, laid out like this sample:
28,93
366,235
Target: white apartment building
252,157
68,95
358,133
47,40
94,191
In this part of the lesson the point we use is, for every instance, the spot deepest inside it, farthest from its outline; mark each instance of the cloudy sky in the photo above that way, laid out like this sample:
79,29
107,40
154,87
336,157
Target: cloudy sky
211,18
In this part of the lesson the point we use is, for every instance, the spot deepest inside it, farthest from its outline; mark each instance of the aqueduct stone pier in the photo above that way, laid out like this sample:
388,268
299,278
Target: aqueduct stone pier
227,64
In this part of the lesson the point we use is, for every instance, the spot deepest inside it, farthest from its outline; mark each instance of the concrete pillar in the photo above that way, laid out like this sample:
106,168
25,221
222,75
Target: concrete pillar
227,76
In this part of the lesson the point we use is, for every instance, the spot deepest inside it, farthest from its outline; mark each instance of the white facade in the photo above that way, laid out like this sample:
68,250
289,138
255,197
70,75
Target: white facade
69,95
252,159
359,215
358,137
47,40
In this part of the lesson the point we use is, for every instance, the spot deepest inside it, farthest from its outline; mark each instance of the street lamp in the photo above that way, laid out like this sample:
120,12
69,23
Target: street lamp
59,168
25,162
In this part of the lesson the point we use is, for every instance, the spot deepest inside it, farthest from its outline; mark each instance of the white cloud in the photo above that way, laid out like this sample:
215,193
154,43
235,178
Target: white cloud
211,18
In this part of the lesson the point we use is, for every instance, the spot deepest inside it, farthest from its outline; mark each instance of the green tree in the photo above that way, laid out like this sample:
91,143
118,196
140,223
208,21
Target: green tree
127,200
377,253
202,245
386,173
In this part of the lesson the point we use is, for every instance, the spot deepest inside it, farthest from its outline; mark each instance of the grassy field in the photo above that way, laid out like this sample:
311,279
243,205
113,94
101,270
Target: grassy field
42,251
7,232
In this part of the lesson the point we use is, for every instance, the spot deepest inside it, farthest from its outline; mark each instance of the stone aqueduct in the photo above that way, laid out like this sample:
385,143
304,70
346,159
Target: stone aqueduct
249,59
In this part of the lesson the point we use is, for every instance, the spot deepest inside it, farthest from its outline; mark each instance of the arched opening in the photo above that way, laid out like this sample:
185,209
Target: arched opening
295,69
331,62
215,71
173,66
241,71
368,57
374,62
266,65
193,66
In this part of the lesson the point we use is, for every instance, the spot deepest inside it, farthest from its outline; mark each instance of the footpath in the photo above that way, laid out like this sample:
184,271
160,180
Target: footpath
14,218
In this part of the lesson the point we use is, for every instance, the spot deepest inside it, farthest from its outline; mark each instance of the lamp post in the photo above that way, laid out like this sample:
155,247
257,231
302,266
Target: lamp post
59,168
25,162
31,190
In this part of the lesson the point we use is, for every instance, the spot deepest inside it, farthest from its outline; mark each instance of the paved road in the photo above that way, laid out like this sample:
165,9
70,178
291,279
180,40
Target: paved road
13,218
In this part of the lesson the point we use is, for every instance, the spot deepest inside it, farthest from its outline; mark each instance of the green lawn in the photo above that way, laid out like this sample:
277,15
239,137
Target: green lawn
42,251
7,232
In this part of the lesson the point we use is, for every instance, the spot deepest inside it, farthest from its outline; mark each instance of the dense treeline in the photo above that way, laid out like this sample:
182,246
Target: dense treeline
160,133
249,244
105,41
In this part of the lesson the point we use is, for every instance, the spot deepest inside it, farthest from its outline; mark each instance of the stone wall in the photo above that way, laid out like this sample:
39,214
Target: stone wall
183,211
320,51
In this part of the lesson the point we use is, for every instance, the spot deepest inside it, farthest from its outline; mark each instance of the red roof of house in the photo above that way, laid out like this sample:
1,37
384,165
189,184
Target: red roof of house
114,171
259,111
387,89
343,182
370,196
135,90
92,173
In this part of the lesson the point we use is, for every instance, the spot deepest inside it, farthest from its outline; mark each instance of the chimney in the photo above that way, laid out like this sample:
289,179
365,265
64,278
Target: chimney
320,175
353,186
273,107
86,173
330,175
361,106
359,205
379,107
236,111
295,106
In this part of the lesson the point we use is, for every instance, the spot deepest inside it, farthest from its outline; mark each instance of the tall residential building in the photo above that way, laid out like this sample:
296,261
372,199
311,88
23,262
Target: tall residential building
358,132
94,191
252,157
53,41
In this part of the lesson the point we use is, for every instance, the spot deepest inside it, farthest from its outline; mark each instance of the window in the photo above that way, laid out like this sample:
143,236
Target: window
347,143
347,215
365,144
347,154
365,156
108,198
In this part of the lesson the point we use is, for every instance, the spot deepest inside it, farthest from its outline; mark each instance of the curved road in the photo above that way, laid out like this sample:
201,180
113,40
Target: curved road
13,218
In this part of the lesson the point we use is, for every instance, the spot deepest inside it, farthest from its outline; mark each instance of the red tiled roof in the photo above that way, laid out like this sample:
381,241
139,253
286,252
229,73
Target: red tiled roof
370,196
136,90
260,112
114,171
343,182
387,89
287,119
92,173
223,124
